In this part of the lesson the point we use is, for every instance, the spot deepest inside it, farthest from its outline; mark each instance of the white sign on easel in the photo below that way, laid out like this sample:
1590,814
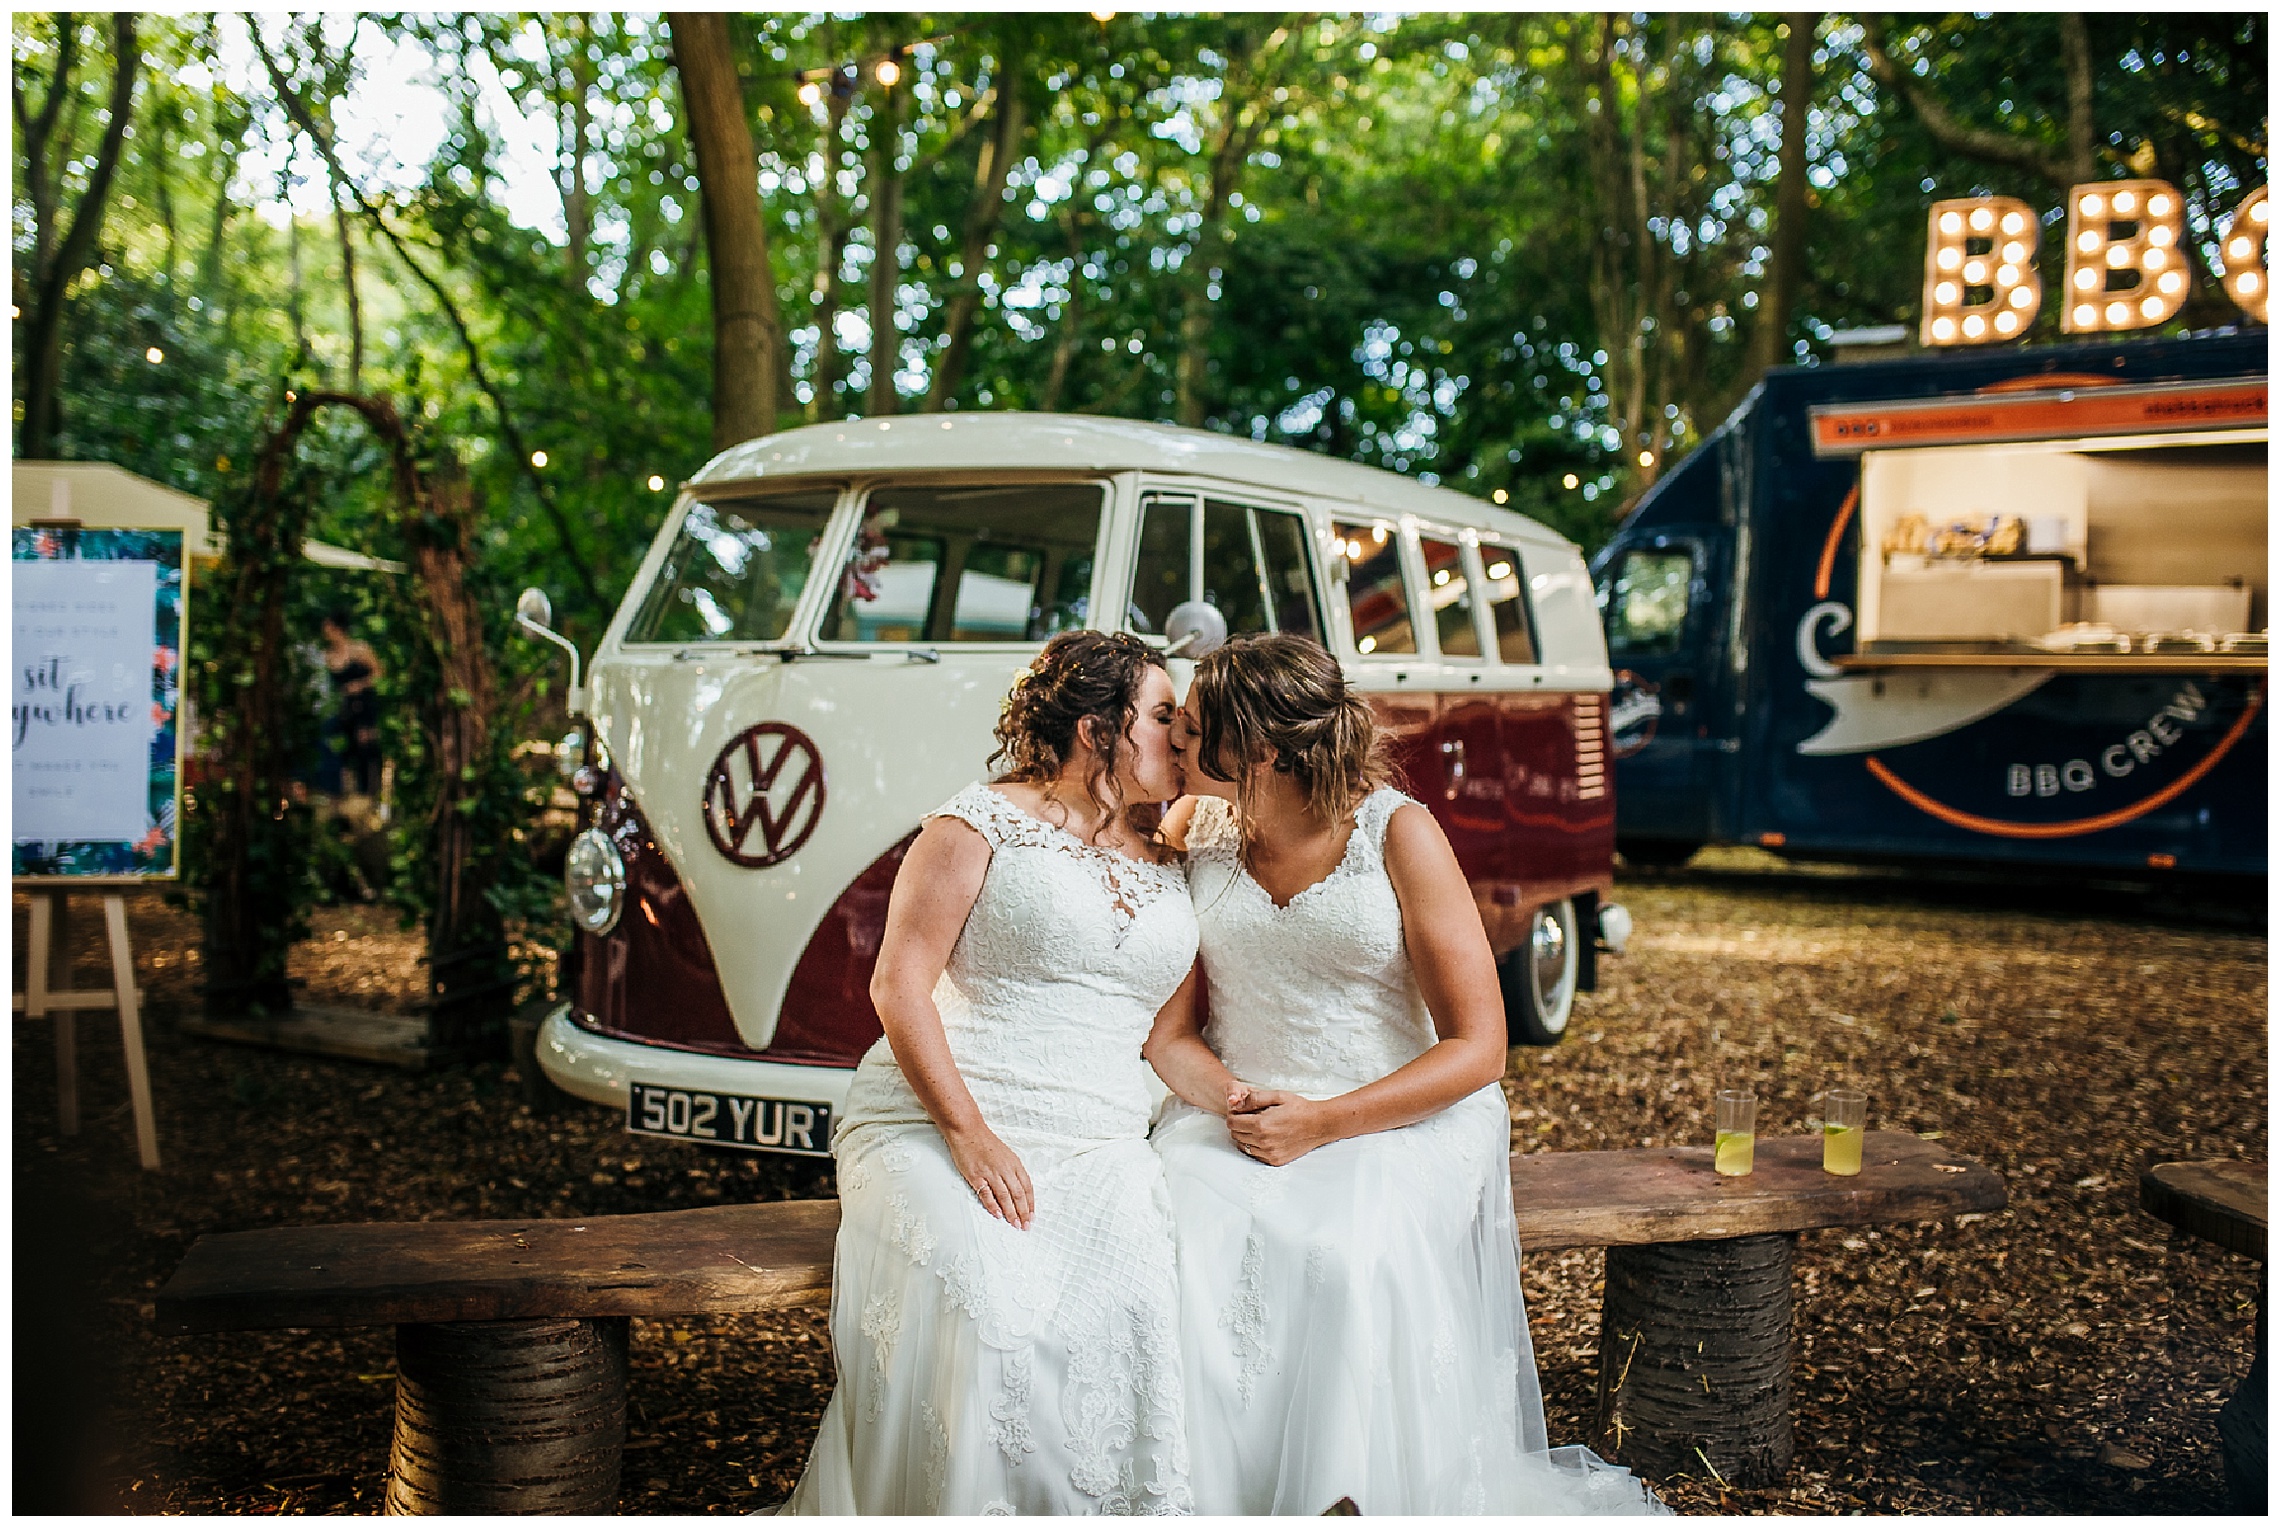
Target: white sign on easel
82,713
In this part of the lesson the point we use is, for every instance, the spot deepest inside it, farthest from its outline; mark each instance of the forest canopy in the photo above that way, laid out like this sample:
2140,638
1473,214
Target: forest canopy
1530,256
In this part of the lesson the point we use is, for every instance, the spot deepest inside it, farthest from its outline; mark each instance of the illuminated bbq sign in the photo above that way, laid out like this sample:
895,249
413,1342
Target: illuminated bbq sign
2126,262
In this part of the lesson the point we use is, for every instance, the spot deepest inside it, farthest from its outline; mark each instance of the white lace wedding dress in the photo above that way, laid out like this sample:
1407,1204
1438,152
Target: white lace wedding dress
985,1369
1351,1322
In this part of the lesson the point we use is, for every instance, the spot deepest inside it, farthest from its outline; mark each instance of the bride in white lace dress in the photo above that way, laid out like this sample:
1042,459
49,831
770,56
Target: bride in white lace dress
1338,1153
1004,1300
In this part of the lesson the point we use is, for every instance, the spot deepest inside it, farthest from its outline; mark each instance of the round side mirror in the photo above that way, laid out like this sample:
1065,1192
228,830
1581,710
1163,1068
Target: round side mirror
1194,628
533,606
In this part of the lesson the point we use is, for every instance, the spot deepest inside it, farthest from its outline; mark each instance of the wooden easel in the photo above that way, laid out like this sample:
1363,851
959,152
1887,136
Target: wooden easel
50,958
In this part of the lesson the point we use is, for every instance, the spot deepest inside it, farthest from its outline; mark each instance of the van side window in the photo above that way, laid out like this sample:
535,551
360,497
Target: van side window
1231,567
1010,564
1646,605
735,570
1255,571
1376,596
1160,572
1508,610
1290,584
1450,595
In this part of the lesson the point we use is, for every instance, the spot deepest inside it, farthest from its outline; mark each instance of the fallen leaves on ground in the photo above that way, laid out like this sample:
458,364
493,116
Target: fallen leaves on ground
2067,1354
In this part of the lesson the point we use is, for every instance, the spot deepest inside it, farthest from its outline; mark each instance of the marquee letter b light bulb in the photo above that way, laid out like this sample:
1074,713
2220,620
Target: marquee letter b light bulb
1980,281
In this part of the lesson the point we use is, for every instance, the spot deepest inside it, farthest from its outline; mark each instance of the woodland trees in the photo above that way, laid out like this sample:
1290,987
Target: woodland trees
1508,251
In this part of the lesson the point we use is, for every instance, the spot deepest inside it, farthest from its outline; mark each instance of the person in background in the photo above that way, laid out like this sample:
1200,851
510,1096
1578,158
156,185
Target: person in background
355,671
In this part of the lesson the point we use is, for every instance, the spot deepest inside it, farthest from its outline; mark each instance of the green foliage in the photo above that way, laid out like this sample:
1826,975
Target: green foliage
1393,238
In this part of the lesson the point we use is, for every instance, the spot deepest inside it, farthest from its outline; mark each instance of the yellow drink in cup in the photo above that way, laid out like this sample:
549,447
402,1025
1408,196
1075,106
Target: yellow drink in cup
1736,1147
1844,1123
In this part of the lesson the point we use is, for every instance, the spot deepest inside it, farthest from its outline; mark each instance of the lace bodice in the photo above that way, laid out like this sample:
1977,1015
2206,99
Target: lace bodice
1317,997
1067,955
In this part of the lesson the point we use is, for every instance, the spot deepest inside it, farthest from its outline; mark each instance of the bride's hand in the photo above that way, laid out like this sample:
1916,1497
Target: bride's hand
1242,1098
995,1174
1281,1128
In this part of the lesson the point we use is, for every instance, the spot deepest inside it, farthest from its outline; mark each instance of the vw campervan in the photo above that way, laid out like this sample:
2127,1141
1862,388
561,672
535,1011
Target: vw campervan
814,653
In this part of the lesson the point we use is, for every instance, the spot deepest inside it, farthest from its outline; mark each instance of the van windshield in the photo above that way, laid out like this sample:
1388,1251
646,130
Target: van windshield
736,569
980,564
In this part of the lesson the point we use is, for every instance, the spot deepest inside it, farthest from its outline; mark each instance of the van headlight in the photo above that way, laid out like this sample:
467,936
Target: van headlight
594,874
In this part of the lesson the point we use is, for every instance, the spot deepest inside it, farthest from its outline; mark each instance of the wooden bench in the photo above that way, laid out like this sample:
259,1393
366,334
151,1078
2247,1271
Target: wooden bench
2224,1203
511,1335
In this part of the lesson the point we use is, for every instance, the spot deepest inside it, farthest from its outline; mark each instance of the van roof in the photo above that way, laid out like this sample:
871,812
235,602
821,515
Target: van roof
981,441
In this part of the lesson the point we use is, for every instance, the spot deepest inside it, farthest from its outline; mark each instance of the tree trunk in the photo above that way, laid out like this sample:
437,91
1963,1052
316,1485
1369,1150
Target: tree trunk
831,252
75,250
1769,339
886,250
1694,1359
577,202
471,980
982,212
2081,126
746,331
348,288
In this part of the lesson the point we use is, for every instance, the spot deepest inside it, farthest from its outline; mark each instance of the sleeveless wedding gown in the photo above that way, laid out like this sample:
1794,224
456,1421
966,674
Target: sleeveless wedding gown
1351,1322
985,1369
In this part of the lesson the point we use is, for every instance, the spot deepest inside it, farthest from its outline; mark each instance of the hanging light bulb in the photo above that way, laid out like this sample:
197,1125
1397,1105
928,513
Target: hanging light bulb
889,72
810,92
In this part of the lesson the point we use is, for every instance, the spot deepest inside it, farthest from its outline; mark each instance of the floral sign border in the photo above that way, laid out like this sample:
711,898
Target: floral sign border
157,854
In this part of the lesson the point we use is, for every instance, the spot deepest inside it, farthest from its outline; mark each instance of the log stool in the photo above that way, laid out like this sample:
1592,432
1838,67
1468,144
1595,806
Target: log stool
2224,1202
1694,1328
511,1352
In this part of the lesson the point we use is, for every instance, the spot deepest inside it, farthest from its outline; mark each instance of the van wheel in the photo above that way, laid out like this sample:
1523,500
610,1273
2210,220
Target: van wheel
1656,853
1539,977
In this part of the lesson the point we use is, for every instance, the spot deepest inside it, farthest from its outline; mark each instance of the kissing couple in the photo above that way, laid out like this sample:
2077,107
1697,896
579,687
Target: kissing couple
1299,1280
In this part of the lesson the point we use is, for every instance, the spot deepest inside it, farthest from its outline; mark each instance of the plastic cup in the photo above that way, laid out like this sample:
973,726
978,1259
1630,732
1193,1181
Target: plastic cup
1844,1122
1737,1133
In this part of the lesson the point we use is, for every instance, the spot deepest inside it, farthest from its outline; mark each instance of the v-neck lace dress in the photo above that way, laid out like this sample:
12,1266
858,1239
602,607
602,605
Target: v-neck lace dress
1351,1323
985,1369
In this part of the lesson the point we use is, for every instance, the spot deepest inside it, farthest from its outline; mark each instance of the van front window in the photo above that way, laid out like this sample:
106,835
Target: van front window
736,569
996,564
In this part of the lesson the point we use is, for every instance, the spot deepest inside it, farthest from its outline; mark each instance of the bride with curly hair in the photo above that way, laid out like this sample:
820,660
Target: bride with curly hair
1005,1293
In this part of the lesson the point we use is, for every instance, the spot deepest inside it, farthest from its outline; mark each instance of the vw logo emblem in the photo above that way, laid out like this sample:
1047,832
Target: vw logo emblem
764,795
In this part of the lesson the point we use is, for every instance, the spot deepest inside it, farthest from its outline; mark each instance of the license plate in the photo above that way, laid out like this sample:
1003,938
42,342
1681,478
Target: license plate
729,1119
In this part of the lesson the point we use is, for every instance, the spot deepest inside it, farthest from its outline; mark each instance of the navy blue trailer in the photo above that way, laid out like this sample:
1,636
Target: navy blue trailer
1826,634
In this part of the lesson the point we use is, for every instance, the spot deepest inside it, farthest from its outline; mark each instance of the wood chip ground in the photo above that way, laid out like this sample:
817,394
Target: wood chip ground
2066,1355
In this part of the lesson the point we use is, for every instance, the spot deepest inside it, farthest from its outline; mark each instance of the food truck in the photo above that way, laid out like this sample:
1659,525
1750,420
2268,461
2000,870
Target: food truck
815,652
2001,605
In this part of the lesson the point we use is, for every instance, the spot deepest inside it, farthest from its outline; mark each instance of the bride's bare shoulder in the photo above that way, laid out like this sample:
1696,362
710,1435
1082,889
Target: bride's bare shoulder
1177,820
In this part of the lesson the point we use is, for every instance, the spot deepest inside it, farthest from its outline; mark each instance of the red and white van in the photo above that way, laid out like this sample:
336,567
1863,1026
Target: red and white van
814,652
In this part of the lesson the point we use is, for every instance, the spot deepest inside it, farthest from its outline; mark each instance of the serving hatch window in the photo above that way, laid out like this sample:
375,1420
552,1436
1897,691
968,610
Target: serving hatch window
972,564
736,569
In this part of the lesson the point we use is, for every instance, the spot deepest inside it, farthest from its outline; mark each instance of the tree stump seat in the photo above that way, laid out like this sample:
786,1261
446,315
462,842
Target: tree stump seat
2224,1203
511,1335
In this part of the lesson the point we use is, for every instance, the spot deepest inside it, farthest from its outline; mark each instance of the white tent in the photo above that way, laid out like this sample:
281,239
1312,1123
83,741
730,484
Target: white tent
99,495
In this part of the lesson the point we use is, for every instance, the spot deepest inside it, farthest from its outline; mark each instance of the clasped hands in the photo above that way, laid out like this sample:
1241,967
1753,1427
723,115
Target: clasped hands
1274,1126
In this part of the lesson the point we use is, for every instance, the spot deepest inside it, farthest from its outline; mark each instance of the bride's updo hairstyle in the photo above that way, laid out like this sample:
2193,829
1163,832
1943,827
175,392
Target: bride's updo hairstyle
1281,699
1078,674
